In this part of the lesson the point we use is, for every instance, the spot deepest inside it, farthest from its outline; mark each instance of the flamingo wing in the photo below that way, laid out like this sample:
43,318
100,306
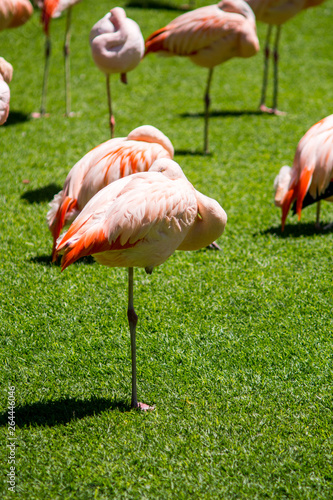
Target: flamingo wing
146,210
192,31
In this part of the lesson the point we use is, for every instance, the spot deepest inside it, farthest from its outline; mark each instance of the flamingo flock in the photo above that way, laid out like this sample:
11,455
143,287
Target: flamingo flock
127,202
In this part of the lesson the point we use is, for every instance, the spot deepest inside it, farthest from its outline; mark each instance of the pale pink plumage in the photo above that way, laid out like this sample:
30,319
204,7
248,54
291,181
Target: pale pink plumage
209,36
117,46
141,220
14,13
6,73
111,160
312,170
276,13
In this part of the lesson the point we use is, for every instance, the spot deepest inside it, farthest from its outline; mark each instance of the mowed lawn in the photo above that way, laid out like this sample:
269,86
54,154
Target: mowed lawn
234,348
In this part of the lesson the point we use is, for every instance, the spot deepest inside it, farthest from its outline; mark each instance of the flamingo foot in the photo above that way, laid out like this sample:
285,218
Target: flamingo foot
144,407
272,111
39,115
214,246
318,226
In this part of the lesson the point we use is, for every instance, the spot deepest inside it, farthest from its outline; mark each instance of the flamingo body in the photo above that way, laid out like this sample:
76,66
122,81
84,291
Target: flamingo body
117,45
14,13
140,220
6,73
111,160
311,172
209,35
52,9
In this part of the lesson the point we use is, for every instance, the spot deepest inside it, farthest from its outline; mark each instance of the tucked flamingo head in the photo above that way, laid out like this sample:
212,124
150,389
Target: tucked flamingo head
148,133
169,168
281,185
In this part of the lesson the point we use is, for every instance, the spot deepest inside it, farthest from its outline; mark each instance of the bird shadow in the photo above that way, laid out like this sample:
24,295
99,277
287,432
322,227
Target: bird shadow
62,411
225,113
42,194
294,230
188,152
15,117
155,4
46,260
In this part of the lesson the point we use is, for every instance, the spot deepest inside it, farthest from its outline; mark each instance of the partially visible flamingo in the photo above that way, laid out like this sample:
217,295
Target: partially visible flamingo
140,221
52,9
117,46
311,177
104,164
6,74
14,13
275,13
209,36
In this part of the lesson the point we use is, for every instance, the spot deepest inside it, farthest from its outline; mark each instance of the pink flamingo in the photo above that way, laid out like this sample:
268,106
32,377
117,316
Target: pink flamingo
14,13
52,9
117,46
111,160
276,13
311,177
209,36
6,74
140,221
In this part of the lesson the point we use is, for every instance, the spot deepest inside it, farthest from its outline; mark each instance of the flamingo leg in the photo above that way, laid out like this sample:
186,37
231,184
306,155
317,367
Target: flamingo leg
45,76
317,224
276,76
67,61
207,105
132,321
262,105
111,117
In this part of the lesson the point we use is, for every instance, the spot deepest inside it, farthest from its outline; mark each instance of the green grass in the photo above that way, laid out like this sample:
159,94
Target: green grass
234,347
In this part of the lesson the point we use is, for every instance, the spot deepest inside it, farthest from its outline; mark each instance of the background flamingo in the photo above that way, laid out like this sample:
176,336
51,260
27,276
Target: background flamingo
311,177
117,46
52,9
209,36
14,13
104,164
141,220
276,13
6,74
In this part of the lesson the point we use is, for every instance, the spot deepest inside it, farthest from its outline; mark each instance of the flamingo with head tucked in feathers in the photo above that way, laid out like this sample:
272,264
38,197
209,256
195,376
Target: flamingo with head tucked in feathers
52,9
117,46
139,221
311,177
275,13
209,36
111,160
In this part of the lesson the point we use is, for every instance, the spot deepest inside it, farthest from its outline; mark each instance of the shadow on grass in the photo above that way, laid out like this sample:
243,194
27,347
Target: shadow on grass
295,230
188,152
42,194
15,117
155,4
62,411
224,113
47,260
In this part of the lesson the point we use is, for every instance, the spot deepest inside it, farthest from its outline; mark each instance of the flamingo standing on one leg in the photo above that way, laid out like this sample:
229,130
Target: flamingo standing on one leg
6,74
311,177
104,164
14,13
52,9
140,221
117,46
209,36
276,13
